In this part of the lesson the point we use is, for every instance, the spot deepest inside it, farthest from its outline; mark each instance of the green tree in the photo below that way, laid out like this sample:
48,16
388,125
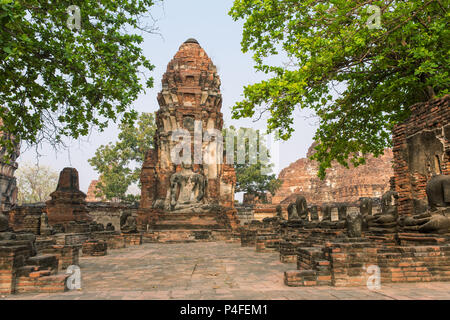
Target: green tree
119,164
335,46
35,182
56,80
253,175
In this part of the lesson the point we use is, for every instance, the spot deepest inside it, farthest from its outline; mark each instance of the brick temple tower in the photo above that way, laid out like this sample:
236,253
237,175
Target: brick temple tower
190,112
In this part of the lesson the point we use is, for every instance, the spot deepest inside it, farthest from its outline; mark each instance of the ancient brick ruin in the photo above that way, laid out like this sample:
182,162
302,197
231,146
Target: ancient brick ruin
390,217
340,185
91,195
421,150
192,193
403,236
39,241
67,203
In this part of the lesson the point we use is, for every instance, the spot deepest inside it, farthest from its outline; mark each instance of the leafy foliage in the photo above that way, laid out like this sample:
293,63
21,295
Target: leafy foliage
119,164
379,71
253,176
57,82
35,182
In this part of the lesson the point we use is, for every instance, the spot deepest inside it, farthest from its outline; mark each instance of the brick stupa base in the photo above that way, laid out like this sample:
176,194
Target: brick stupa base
161,226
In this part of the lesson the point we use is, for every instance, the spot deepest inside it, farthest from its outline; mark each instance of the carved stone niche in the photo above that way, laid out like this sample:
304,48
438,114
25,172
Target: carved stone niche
425,151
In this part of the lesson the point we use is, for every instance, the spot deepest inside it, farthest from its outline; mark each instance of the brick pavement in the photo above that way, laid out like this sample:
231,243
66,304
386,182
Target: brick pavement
214,270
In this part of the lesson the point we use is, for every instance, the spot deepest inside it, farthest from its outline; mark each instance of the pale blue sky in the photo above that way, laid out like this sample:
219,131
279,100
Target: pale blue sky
208,22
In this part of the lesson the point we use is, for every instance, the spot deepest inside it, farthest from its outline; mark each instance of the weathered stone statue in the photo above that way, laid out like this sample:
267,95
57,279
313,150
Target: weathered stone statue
302,207
354,224
96,227
438,193
326,217
128,223
4,223
327,212
279,212
314,213
45,229
387,220
342,211
292,212
365,206
437,218
388,203
187,189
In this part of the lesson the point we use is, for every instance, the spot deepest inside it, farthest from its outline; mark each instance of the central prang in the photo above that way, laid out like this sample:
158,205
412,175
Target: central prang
184,179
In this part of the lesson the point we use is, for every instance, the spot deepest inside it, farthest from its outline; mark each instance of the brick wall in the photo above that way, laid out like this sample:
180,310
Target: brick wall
421,147
110,212
340,185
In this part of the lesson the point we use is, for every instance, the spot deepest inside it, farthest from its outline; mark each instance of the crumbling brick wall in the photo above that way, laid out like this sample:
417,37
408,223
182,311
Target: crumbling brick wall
110,212
421,147
340,185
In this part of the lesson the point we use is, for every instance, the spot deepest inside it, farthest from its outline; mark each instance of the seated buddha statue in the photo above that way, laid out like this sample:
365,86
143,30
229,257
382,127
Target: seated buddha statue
187,189
437,218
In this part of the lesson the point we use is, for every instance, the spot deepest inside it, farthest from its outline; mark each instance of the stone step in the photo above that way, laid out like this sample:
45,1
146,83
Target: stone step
44,261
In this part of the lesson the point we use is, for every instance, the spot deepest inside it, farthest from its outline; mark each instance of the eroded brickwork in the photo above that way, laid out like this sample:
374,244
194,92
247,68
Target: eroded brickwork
421,148
340,185
190,103
68,203
91,195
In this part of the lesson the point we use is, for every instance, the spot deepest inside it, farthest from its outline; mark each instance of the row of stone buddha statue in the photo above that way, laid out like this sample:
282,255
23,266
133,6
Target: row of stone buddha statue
434,218
299,214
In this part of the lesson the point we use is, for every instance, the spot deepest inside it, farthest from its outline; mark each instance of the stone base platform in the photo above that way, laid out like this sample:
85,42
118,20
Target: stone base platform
95,248
187,235
188,221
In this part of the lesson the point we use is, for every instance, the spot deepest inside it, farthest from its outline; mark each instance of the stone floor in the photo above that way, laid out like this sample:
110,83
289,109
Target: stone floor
211,271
